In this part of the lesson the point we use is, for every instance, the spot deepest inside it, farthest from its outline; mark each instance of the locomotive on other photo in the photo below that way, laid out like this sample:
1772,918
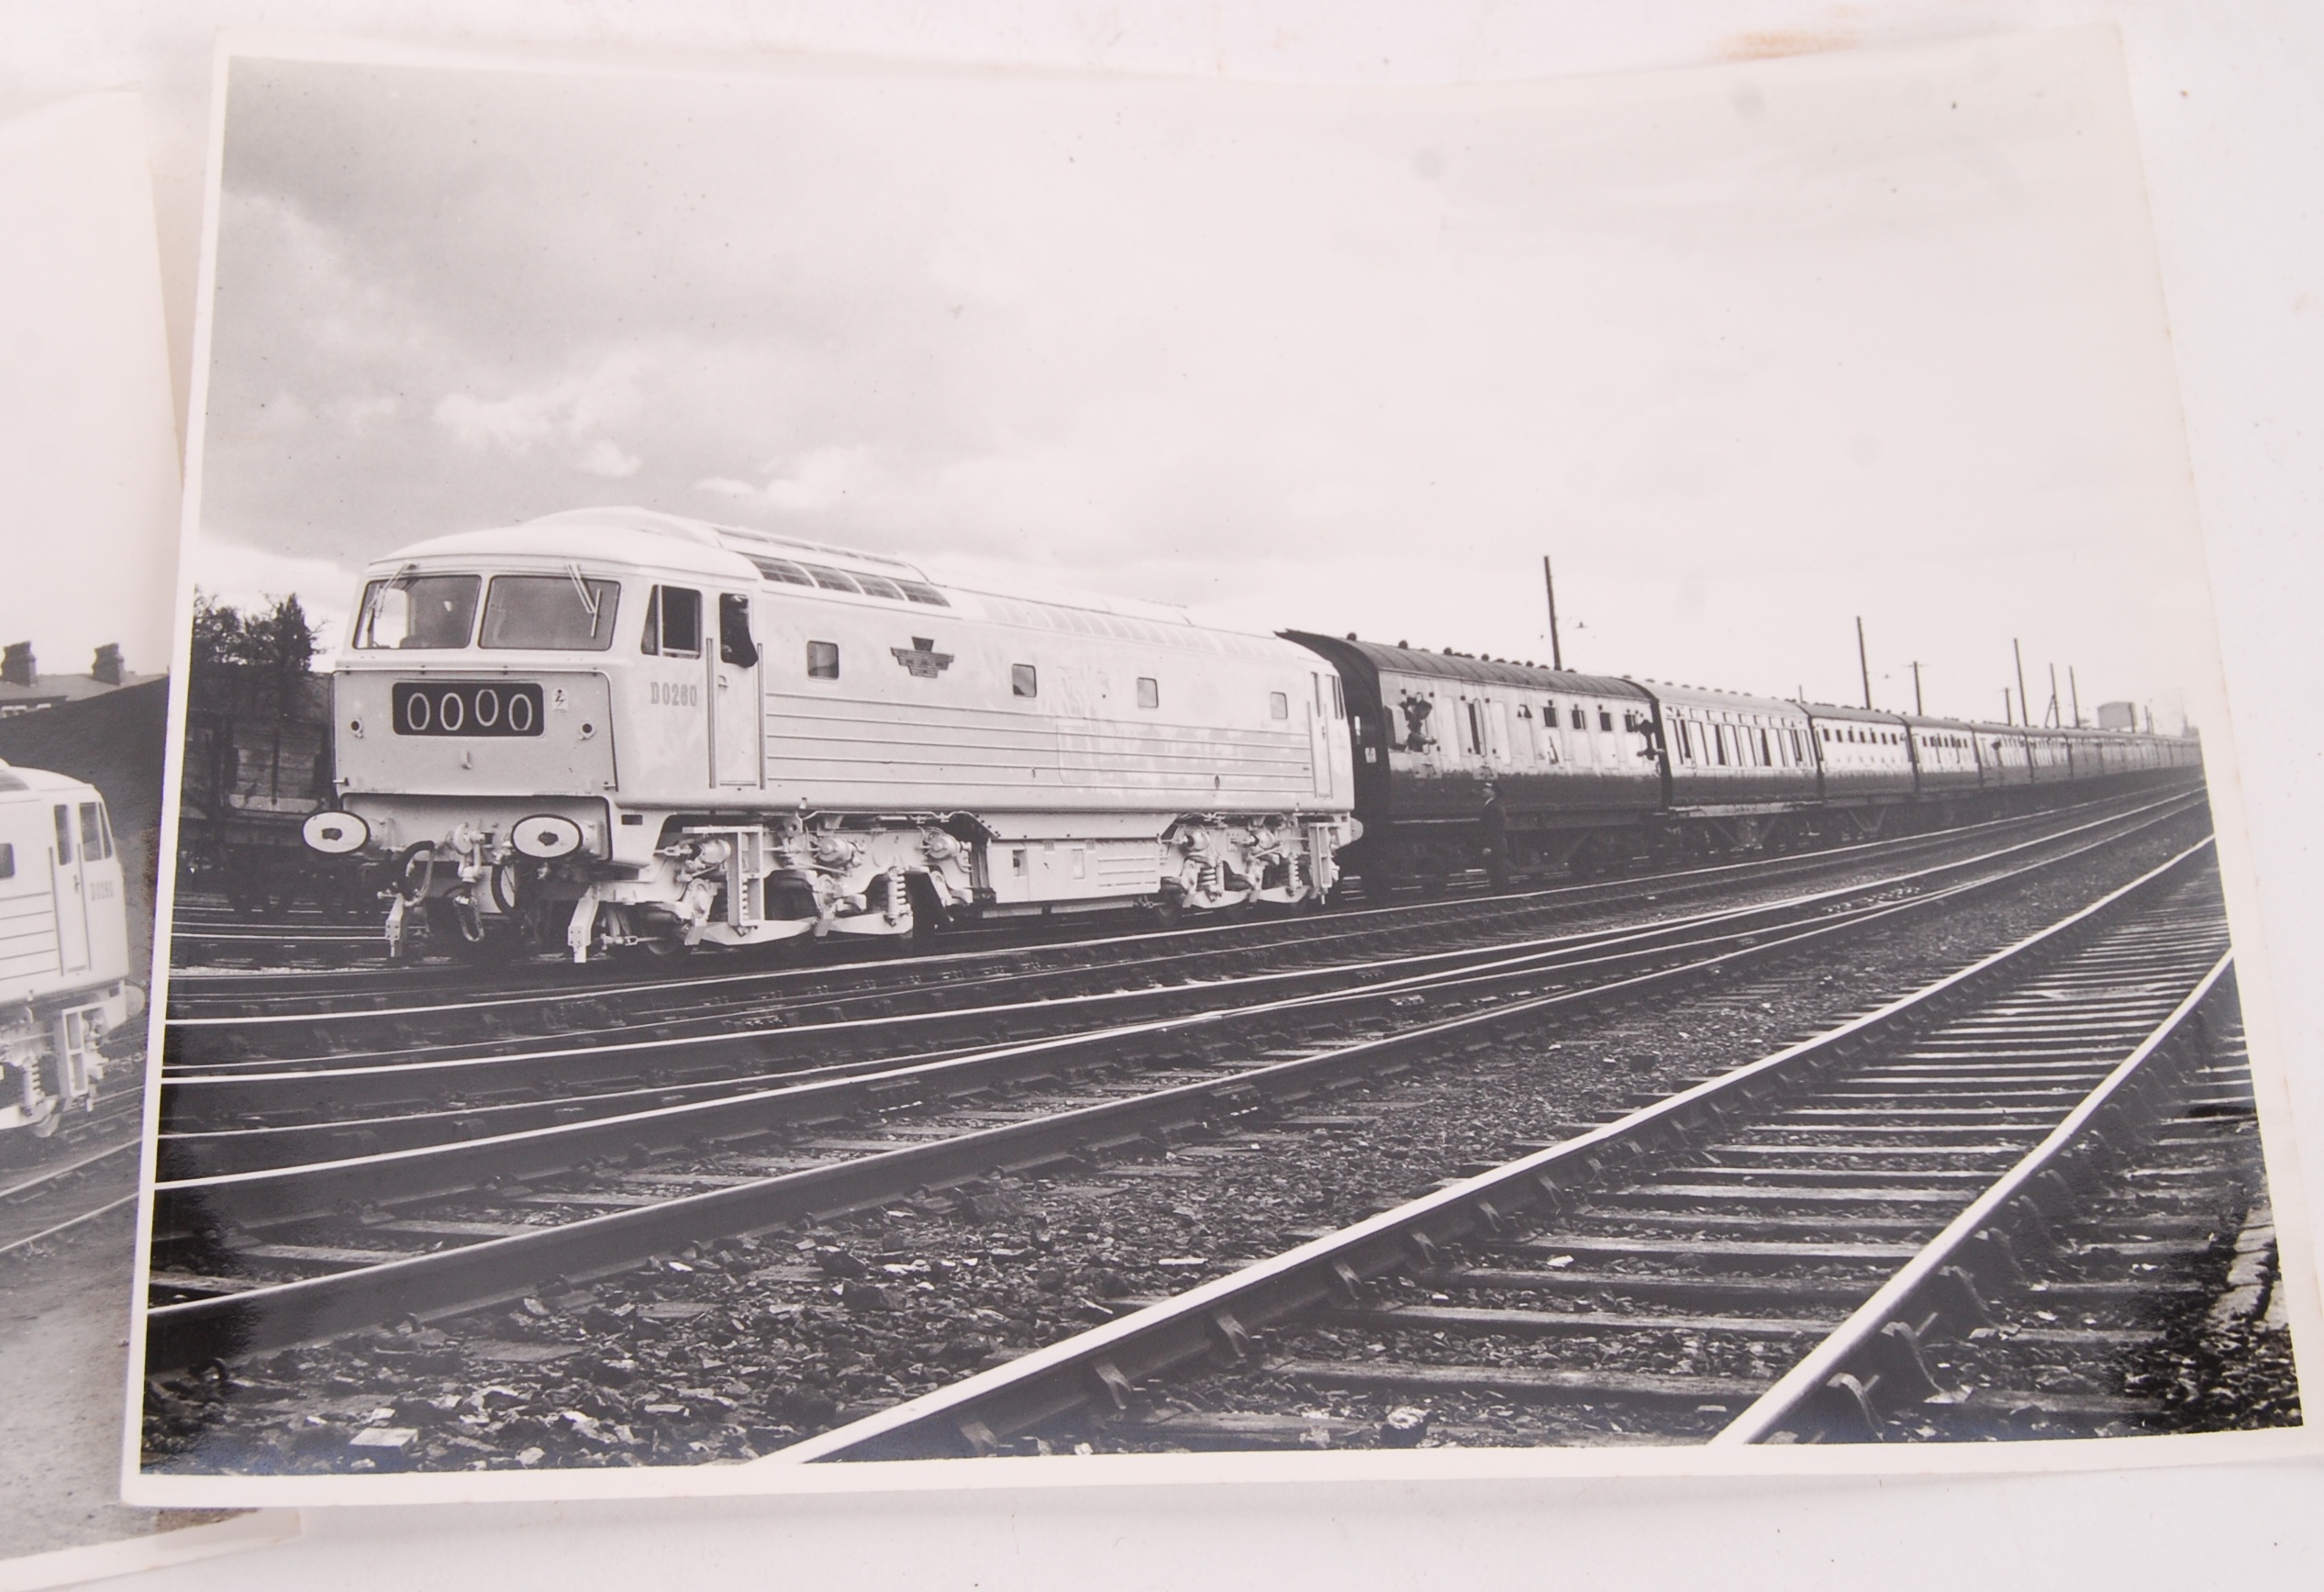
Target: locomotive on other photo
614,728
64,947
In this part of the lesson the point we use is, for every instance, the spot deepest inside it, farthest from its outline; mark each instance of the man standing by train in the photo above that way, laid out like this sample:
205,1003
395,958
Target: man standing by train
1493,838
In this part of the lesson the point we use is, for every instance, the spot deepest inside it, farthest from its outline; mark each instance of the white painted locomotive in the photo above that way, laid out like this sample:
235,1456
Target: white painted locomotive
619,728
64,946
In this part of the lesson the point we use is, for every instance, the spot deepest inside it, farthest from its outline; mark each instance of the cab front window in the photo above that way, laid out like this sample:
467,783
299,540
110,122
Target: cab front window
562,613
435,612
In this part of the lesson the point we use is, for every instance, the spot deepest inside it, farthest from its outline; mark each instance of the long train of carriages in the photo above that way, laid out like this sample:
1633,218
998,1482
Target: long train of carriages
64,947
616,728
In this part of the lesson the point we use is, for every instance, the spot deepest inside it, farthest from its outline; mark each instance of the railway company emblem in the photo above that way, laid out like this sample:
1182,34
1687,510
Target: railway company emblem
921,659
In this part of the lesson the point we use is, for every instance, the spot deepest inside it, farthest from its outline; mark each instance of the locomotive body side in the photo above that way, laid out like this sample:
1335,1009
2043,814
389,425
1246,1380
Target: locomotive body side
664,732
63,946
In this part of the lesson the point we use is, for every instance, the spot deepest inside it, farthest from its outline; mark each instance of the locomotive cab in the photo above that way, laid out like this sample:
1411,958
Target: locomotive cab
510,705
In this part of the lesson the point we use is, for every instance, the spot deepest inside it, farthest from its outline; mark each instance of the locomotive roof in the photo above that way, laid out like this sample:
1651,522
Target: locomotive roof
1478,670
598,534
15,781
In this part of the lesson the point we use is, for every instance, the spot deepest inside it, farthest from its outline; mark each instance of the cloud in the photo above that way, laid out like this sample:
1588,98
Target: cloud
816,480
605,457
561,411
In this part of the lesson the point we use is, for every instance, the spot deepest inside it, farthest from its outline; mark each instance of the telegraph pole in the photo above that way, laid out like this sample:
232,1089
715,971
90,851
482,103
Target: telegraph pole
2074,686
1862,664
2005,706
1917,709
1549,583
2054,718
2025,707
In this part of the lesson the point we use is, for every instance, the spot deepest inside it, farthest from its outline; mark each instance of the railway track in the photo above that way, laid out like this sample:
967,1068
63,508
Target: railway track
360,1074
89,1170
224,1243
204,997
1928,1223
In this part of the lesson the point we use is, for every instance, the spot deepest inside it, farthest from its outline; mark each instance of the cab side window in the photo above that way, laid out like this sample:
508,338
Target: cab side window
7,861
673,623
737,646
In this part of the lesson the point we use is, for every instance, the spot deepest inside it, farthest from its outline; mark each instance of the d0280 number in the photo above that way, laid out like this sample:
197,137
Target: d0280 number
466,707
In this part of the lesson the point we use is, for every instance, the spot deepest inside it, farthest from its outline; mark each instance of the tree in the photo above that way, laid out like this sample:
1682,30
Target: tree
279,639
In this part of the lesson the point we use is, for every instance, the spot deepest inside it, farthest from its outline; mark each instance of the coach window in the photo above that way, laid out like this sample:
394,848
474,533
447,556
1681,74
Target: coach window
737,646
1278,705
823,659
1476,729
435,612
1604,719
1024,680
673,623
1580,719
562,613
1149,692
1766,759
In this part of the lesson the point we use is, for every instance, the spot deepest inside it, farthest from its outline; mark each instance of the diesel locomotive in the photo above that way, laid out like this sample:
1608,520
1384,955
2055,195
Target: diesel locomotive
614,729
617,729
64,947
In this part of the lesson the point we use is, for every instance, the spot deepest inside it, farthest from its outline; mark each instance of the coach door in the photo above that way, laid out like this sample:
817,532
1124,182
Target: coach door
71,885
736,714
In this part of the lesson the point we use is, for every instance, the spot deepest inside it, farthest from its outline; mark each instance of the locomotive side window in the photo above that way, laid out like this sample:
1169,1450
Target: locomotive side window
1278,705
64,836
823,659
915,592
557,613
673,623
93,836
1338,700
832,580
782,569
435,612
736,645
874,587
1149,692
1024,680
7,861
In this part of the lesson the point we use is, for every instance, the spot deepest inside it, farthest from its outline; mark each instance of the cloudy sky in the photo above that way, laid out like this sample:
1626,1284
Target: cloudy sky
1749,350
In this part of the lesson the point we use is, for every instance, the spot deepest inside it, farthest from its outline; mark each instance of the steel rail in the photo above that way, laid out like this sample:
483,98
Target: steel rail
1216,1319
463,1162
1862,1352
1703,878
86,1216
269,1083
50,1175
450,1281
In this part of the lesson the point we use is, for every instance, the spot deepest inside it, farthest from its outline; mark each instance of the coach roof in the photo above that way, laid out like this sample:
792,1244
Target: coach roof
1476,671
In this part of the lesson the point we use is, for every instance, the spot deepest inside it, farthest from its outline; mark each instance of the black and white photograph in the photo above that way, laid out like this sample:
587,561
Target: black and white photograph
89,492
887,764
